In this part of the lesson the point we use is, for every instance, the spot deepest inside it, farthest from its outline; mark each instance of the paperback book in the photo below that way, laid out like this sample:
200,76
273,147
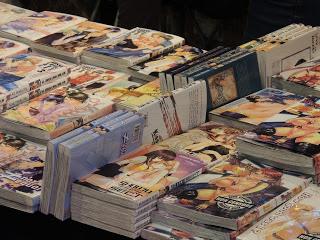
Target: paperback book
10,12
9,48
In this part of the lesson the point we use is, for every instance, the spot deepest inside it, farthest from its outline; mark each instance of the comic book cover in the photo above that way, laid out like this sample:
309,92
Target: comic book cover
21,166
259,106
175,58
41,24
10,13
81,36
296,128
298,219
138,45
210,142
84,74
9,47
149,170
233,190
26,72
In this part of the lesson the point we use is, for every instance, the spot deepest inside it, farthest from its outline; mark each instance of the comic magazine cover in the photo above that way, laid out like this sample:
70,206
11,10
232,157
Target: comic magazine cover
41,24
259,106
9,48
298,219
210,142
10,13
138,45
149,170
177,57
232,194
81,36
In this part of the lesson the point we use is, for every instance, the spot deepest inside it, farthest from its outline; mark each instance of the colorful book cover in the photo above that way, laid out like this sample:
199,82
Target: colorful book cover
21,166
158,231
9,47
26,72
84,74
298,219
296,128
41,24
210,142
176,57
235,190
80,37
259,106
10,13
145,172
138,45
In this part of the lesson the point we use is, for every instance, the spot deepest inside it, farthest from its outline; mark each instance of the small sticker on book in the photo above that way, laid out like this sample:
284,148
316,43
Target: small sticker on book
234,203
308,237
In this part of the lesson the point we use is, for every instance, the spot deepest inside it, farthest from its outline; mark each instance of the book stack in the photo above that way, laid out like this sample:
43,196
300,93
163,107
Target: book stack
9,48
131,48
119,197
288,140
21,168
10,12
226,199
26,76
283,49
65,108
250,111
69,43
228,75
38,25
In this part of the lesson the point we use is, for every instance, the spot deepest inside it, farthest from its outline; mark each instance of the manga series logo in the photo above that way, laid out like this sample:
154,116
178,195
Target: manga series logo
234,203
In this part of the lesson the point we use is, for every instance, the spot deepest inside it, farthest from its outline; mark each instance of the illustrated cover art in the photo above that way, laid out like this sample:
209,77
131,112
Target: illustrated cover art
298,219
9,47
41,24
210,142
18,70
84,74
172,59
81,36
10,13
138,44
234,189
296,128
169,233
258,106
21,165
149,169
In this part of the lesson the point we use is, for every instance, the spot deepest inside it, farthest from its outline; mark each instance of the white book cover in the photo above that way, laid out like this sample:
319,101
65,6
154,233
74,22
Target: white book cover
10,12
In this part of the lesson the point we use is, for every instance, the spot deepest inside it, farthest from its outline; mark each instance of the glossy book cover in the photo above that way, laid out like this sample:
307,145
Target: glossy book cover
257,107
210,142
81,36
41,24
9,48
148,171
175,58
138,44
237,190
298,219
10,13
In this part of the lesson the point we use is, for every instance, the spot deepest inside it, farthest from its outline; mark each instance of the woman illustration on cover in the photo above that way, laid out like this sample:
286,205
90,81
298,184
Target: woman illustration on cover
9,146
136,47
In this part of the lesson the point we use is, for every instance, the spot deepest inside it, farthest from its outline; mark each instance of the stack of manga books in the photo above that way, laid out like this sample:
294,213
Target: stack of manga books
120,197
10,12
21,169
229,74
38,25
226,199
88,97
10,48
25,76
79,152
131,48
283,49
69,43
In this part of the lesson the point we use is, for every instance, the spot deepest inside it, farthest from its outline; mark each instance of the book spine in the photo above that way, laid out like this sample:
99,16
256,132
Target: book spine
316,164
163,82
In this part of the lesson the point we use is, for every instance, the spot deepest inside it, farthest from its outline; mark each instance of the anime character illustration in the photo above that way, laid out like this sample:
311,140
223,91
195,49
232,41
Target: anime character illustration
258,107
296,128
9,146
222,87
4,44
309,77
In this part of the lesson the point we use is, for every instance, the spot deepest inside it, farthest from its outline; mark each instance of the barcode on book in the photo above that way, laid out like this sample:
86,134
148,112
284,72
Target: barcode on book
307,237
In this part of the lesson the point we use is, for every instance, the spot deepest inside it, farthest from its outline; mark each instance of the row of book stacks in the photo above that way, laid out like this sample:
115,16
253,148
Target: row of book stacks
136,133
